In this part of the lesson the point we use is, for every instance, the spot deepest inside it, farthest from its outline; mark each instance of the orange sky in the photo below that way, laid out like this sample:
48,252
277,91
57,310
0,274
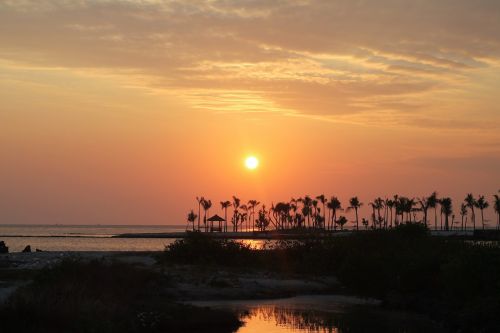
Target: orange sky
121,112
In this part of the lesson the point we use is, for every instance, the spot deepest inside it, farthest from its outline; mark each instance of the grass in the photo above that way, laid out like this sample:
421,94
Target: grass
451,280
84,297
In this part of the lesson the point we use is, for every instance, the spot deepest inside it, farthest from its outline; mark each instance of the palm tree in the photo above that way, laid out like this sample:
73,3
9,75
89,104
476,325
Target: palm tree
424,206
235,219
482,204
206,207
315,214
262,220
341,221
293,208
191,218
496,206
373,206
377,204
225,205
307,204
321,198
463,214
334,204
380,205
355,204
200,200
446,210
244,216
252,204
244,208
433,201
470,202
364,222
390,204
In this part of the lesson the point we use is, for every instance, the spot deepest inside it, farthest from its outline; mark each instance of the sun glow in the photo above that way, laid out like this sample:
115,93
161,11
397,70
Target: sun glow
251,162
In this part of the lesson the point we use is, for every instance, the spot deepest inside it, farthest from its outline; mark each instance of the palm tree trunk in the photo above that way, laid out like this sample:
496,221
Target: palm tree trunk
473,217
435,218
199,215
225,218
482,218
357,221
441,220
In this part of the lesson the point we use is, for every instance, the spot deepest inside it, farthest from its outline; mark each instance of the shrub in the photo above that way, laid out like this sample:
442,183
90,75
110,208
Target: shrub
96,297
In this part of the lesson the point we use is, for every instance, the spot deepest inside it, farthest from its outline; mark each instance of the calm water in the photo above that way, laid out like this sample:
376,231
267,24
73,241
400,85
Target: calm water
90,237
329,313
83,238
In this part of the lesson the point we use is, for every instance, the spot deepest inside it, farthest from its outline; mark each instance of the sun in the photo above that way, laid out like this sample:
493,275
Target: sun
251,162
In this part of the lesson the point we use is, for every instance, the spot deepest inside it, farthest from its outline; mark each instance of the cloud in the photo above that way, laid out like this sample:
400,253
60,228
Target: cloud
487,164
312,57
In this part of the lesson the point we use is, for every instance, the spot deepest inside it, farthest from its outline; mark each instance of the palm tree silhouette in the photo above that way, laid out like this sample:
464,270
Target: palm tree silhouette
355,204
424,206
390,204
252,204
334,204
191,218
496,206
200,200
235,219
341,221
470,202
207,204
377,205
446,210
365,223
244,216
397,208
262,220
321,198
433,201
293,208
315,213
482,204
463,214
306,209
225,205
373,206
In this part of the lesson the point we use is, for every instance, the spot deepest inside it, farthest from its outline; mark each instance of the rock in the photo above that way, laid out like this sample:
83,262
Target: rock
38,250
27,249
3,247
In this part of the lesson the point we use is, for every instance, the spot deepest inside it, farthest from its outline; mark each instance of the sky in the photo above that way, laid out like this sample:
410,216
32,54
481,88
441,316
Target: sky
122,112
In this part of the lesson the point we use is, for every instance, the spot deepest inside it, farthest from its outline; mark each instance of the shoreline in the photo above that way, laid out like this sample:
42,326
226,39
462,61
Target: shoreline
289,235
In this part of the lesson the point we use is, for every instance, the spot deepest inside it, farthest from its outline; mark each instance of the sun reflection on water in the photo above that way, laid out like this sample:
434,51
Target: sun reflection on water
271,319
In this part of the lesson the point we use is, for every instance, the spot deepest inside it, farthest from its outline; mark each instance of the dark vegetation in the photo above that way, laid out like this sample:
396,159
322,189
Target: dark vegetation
453,281
99,297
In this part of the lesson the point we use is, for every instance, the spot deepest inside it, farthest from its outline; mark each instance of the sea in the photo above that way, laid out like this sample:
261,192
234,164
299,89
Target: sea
84,237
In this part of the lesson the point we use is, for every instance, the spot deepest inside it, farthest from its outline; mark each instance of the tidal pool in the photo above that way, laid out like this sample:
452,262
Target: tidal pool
326,313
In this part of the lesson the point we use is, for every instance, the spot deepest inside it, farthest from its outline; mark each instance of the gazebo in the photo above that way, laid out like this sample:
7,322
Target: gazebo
215,218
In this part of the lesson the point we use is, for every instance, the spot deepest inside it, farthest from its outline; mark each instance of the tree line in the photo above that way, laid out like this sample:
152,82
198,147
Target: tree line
321,213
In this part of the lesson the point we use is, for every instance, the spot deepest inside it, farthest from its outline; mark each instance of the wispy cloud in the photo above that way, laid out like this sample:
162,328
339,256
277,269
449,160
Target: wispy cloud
317,58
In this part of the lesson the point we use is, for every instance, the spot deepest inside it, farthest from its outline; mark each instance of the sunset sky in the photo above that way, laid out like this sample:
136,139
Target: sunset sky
122,112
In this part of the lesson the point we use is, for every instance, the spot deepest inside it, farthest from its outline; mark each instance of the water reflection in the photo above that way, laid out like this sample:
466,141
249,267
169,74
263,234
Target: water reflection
321,314
276,320
352,319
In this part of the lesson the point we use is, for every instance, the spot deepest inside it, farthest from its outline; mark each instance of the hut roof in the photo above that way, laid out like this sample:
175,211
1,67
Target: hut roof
215,218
